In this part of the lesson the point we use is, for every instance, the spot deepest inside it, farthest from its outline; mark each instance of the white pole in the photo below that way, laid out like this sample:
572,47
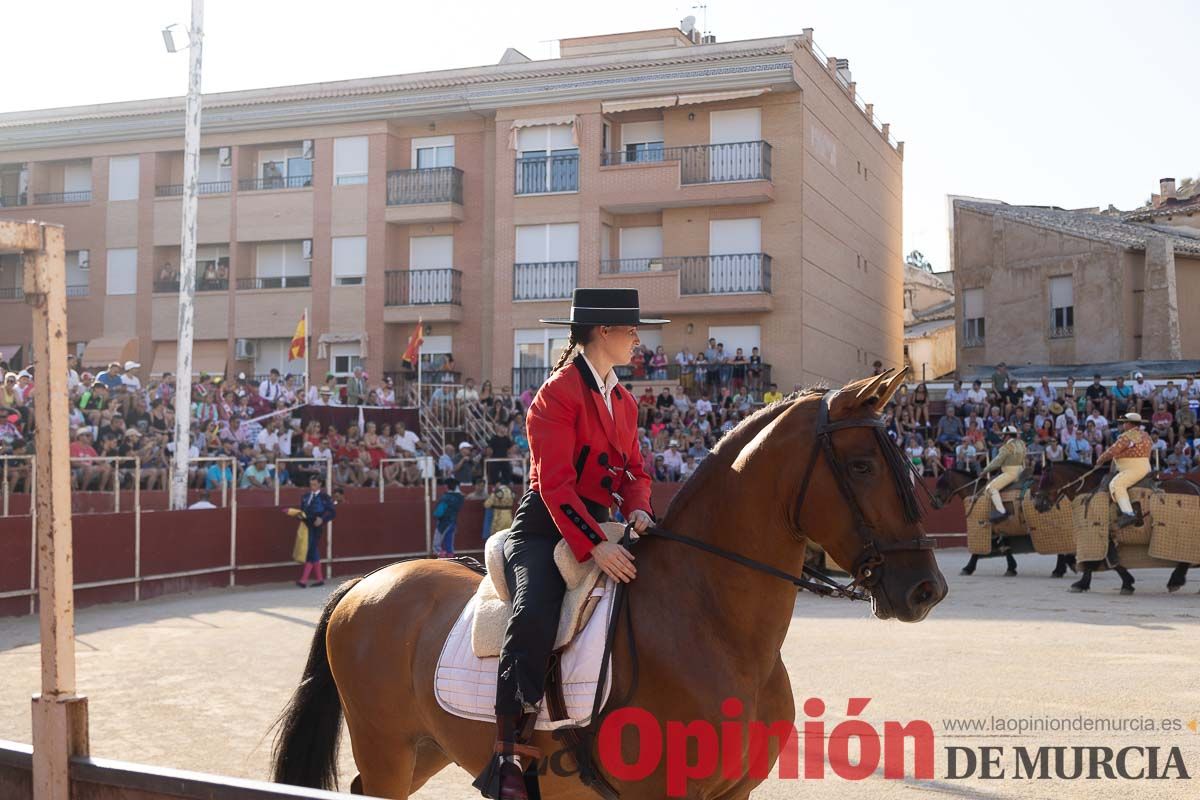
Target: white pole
187,267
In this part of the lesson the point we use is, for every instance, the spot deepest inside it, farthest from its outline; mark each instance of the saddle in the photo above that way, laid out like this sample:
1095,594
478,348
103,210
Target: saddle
494,600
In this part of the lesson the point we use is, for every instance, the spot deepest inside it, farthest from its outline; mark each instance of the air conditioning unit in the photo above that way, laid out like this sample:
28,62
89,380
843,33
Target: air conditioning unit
84,260
246,349
306,249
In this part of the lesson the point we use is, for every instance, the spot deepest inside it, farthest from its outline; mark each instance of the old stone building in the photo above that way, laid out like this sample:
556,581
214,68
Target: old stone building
928,324
1045,285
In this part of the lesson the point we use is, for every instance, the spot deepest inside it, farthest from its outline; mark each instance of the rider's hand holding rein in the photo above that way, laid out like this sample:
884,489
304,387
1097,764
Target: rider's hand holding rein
615,561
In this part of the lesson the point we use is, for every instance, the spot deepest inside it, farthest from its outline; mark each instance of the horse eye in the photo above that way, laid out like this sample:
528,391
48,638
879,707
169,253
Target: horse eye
861,467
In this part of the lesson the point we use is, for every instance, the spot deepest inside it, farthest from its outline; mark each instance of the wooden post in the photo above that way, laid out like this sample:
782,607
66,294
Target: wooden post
59,716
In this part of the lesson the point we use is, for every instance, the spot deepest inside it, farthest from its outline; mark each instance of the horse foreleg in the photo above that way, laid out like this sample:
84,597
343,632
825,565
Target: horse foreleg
1085,581
386,771
1126,579
969,569
1178,577
1060,566
430,761
1012,564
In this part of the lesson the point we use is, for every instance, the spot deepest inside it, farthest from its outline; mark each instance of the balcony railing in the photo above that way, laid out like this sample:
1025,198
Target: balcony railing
261,184
418,287
547,280
545,174
694,380
202,285
77,291
47,198
435,185
286,282
12,293
204,187
705,163
13,200
724,274
624,266
1063,332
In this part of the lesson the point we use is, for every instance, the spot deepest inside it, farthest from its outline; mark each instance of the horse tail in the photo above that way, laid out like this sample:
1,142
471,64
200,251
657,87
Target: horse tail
310,727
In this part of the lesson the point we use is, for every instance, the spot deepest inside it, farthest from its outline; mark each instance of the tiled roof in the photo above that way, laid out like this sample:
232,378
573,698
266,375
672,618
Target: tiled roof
1098,227
1189,205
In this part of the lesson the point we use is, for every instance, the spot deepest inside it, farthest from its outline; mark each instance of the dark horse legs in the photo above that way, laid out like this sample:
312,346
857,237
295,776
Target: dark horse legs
1060,566
969,569
1178,577
1085,581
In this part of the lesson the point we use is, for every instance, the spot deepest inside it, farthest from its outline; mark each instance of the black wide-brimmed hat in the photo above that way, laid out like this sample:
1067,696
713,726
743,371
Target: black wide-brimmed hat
605,307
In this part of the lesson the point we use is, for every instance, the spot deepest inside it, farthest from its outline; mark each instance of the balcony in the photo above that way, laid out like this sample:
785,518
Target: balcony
283,282
50,198
77,291
14,201
425,195
204,187
547,174
202,285
432,295
743,273
680,177
266,184
12,293
546,280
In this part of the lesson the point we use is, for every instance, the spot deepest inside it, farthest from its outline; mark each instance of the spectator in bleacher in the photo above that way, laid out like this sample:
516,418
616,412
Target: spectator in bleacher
754,371
920,406
932,460
689,466
681,401
467,464
772,394
1178,461
1163,423
956,397
467,393
686,362
658,364
664,401
1096,437
258,475
1097,419
111,377
1054,450
1158,447
1000,379
977,398
1046,394
1191,391
1097,393
966,457
737,369
1169,395
949,430
673,459
1122,398
1185,422
356,387
1010,397
1078,447
1143,393
271,389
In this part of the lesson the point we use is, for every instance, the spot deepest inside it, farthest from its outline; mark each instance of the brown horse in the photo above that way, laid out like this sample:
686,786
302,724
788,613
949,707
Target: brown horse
705,629
1068,479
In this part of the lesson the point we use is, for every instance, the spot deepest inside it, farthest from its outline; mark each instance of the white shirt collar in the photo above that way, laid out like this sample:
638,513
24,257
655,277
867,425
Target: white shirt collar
606,385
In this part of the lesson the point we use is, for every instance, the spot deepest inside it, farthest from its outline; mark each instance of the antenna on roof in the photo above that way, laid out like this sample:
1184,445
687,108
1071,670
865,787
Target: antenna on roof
703,9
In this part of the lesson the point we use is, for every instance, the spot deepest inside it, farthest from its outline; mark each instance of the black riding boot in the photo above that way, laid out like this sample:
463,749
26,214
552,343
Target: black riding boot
511,774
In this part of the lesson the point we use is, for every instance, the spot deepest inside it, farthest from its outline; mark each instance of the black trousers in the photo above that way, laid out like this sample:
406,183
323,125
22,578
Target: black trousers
537,591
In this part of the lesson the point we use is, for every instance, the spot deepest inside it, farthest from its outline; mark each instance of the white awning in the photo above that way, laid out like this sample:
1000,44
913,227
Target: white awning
326,339
617,106
716,97
517,124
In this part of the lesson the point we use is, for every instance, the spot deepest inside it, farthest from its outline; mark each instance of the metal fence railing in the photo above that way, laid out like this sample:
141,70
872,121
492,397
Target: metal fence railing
428,478
202,285
14,200
414,287
48,198
7,477
203,187
547,174
724,274
704,163
283,282
547,280
12,293
77,291
261,184
434,185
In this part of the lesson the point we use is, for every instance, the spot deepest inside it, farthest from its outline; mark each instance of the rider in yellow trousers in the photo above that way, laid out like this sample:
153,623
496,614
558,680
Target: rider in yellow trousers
1010,461
1131,451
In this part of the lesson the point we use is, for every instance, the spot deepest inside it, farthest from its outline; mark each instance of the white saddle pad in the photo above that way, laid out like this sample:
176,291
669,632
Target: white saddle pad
465,685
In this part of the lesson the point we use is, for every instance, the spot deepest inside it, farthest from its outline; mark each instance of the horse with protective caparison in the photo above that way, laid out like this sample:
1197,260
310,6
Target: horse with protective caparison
811,465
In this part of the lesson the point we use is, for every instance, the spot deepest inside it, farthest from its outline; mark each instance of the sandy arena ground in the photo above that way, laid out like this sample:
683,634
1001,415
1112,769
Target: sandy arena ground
194,681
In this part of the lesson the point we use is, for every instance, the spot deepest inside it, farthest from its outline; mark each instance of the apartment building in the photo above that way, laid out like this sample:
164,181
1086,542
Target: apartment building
744,188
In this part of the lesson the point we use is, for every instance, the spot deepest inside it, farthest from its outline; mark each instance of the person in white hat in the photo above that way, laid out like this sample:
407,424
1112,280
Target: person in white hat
129,379
1131,452
1010,460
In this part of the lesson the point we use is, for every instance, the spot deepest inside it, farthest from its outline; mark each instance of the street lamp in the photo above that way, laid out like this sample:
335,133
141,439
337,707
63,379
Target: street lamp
187,267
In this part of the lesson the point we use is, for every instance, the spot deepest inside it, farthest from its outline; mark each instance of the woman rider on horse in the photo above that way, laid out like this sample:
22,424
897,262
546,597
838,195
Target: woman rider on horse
584,457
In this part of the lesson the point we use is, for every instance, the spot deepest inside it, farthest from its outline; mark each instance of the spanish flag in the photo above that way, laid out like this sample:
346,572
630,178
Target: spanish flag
413,352
299,340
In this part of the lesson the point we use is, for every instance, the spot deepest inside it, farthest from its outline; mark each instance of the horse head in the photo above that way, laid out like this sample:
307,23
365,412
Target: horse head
1046,494
842,482
1063,481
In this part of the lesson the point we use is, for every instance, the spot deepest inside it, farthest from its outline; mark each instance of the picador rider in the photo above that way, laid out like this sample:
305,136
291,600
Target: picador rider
1131,452
584,458
1010,460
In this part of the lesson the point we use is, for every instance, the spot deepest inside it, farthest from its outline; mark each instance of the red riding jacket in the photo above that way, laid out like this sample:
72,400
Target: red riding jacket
576,450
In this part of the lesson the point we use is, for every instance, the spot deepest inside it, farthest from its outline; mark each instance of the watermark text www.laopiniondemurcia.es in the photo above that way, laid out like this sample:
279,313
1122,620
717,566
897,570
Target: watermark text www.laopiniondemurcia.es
855,749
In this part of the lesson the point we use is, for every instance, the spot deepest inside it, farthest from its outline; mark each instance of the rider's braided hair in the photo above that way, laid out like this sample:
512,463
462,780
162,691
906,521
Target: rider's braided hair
579,336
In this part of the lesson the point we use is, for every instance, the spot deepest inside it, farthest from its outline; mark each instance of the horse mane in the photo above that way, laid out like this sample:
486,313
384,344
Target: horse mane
729,445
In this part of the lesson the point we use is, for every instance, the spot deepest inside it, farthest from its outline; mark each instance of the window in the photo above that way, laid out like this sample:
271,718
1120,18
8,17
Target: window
77,268
746,337
279,265
212,267
642,141
433,151
123,178
349,160
273,354
434,350
213,169
973,318
343,358
77,177
541,243
122,271
284,168
641,249
548,161
1062,307
349,260
535,351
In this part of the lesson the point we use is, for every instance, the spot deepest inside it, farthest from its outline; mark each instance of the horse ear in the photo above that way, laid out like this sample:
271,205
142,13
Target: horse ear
891,387
870,387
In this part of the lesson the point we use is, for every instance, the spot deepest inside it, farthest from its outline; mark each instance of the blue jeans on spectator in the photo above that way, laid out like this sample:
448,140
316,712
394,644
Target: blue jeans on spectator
949,440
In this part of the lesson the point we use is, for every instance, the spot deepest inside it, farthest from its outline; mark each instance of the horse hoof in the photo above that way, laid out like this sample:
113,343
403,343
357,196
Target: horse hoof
1012,573
1057,574
1076,588
1126,590
1172,588
965,571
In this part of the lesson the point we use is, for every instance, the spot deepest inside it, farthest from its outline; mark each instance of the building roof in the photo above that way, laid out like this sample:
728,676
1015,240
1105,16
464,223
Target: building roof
752,62
1098,227
1108,370
943,310
1172,205
915,330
